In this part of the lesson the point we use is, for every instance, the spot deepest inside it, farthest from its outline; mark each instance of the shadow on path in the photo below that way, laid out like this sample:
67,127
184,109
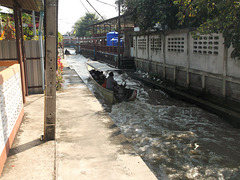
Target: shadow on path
26,146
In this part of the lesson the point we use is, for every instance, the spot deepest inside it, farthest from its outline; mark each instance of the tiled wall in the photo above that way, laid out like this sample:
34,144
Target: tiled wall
11,106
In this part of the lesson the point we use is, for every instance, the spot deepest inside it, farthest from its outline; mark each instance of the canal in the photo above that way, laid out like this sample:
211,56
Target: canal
177,140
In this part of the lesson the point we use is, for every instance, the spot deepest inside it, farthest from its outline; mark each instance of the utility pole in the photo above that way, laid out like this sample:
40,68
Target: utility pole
51,21
119,32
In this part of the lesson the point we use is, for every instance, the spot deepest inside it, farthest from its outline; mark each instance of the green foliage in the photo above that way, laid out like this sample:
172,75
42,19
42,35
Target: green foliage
213,16
27,31
60,37
60,40
207,16
27,19
59,75
81,26
147,13
4,17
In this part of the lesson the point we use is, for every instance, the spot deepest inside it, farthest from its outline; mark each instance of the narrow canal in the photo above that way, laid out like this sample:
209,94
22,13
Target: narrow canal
176,140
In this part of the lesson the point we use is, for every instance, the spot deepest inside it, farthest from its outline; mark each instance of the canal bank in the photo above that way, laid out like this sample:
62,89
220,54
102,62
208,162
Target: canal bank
224,108
230,114
88,144
176,139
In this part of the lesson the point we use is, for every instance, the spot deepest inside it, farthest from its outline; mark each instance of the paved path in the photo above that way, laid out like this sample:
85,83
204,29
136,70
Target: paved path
31,158
88,144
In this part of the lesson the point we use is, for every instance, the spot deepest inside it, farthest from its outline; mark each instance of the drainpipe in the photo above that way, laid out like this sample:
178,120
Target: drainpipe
34,23
0,25
23,51
40,28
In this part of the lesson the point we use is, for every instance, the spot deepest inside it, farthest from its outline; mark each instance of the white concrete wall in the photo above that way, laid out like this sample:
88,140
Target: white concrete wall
11,103
206,53
202,64
141,47
182,50
156,48
233,66
176,49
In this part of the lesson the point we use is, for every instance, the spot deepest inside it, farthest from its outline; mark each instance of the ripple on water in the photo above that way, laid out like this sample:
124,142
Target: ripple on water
177,140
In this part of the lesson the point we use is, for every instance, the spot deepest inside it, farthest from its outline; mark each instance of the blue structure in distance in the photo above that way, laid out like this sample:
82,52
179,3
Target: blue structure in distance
112,39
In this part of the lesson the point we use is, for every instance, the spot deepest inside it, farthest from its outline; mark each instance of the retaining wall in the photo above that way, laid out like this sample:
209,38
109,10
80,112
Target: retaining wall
11,113
200,65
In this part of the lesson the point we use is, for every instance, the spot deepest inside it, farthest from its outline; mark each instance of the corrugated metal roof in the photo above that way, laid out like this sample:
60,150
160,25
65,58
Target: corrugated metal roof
34,5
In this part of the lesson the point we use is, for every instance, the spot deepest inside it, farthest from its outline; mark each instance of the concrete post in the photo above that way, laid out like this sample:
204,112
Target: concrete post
51,21
225,57
188,58
148,53
164,56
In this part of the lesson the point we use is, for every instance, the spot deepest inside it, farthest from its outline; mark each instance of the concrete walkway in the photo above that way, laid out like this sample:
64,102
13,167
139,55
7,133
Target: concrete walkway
88,144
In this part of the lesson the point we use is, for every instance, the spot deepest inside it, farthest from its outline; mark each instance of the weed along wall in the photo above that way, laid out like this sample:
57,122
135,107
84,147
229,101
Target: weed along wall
200,65
11,113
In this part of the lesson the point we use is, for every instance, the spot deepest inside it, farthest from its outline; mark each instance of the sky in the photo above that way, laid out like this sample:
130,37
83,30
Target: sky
69,11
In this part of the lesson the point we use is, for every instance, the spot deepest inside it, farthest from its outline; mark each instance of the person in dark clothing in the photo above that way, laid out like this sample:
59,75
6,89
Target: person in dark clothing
67,52
101,78
110,82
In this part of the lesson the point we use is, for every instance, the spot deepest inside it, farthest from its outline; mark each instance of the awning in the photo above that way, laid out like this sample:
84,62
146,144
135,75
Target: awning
100,66
33,5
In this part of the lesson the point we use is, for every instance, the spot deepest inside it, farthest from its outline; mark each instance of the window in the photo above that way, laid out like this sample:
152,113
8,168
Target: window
206,44
176,44
142,43
156,43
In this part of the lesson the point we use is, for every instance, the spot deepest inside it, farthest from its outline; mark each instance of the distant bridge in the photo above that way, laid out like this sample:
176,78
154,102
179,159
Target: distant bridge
97,44
72,43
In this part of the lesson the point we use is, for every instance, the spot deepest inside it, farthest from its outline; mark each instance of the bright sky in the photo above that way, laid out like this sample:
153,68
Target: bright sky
71,10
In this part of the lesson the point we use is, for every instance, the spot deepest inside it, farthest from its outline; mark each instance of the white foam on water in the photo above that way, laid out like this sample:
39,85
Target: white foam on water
176,140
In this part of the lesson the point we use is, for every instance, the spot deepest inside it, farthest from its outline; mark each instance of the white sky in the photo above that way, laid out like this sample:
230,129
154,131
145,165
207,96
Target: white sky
71,10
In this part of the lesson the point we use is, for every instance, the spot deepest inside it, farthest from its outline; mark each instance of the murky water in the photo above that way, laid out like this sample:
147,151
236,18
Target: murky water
176,140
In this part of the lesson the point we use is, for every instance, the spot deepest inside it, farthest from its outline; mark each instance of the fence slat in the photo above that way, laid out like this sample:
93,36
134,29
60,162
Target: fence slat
6,49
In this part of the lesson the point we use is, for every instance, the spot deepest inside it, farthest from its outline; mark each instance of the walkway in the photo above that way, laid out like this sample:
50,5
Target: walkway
88,146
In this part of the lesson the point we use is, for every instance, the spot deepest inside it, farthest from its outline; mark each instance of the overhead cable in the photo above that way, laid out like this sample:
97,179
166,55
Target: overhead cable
106,3
95,10
84,6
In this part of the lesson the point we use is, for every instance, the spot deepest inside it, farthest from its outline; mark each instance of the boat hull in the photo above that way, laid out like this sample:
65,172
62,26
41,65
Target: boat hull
107,94
121,92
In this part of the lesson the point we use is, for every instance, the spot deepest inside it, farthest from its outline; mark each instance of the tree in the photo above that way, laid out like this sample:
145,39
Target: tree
213,16
147,13
60,37
81,27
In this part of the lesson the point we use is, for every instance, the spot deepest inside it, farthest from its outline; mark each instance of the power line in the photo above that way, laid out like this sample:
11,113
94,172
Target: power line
106,3
84,6
95,10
